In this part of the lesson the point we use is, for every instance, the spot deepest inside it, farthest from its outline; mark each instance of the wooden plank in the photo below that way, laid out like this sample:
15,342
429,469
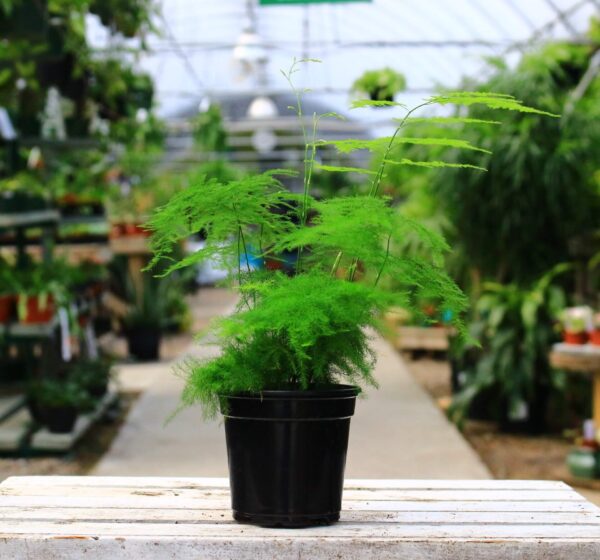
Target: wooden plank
340,530
167,502
193,482
596,398
216,515
216,548
298,547
159,518
200,493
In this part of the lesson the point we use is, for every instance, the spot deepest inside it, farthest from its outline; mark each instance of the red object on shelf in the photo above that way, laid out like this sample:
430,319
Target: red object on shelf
595,337
7,304
575,338
136,229
35,313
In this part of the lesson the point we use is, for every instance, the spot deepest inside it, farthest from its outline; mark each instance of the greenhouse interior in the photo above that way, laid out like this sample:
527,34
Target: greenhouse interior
229,230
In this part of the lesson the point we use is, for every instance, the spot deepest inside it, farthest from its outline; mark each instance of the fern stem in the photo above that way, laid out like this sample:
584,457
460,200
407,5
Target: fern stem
373,191
377,180
243,240
385,260
336,264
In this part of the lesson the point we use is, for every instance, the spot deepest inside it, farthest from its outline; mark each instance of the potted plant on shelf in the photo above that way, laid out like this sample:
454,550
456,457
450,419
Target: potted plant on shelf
144,324
41,291
576,322
93,376
56,403
380,85
296,350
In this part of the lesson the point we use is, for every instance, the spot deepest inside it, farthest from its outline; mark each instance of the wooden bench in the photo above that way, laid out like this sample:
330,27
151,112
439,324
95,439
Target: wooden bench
180,518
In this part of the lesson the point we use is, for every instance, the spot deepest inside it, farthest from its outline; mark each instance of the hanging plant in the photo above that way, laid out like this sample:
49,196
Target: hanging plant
380,85
128,17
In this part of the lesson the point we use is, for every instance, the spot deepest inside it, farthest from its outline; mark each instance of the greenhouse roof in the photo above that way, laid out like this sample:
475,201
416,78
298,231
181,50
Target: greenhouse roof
202,49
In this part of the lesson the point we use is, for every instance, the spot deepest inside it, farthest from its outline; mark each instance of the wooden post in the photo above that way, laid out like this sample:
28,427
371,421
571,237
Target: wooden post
596,399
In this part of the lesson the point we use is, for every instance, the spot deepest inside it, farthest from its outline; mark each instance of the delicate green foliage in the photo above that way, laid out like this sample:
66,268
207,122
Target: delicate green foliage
432,164
350,145
490,100
240,209
448,120
306,331
377,144
366,229
362,103
343,169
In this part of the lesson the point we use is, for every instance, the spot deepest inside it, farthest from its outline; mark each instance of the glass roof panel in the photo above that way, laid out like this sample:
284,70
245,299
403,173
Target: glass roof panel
432,43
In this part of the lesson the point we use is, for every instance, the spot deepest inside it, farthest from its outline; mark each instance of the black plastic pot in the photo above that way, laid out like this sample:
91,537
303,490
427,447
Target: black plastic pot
144,343
58,419
287,454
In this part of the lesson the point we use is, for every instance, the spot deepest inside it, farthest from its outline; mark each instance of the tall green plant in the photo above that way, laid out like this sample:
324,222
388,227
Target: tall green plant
516,328
308,330
516,221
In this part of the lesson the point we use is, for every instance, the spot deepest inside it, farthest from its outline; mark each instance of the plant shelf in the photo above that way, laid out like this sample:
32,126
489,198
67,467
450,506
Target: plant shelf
28,219
44,440
23,330
10,404
14,430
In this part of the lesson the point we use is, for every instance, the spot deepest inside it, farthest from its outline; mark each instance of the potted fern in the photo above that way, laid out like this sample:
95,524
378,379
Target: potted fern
297,350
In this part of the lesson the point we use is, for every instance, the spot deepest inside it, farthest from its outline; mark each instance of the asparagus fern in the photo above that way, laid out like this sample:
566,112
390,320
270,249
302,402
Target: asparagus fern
309,330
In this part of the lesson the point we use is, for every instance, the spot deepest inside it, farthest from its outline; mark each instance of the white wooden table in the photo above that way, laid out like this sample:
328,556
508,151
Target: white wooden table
102,518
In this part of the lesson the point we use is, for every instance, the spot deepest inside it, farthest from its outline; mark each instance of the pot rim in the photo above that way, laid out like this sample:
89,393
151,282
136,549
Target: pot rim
336,391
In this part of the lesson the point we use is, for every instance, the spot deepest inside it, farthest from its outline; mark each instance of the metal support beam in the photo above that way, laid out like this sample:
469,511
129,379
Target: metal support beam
563,18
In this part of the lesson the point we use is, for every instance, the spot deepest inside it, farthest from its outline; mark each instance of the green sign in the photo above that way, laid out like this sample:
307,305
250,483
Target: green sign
282,2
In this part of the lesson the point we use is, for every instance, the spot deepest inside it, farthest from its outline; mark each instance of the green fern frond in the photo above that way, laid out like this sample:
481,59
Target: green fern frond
343,169
435,164
350,145
362,103
447,120
446,142
493,101
378,144
238,211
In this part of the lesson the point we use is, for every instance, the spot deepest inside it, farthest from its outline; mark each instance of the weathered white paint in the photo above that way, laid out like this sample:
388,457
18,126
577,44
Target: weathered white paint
163,518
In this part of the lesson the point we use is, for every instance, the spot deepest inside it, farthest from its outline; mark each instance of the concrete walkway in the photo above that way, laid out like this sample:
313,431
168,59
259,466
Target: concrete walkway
397,431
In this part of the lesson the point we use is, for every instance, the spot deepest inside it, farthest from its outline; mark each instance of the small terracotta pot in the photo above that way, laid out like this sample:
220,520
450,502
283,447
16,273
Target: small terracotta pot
575,338
136,230
595,337
35,313
7,304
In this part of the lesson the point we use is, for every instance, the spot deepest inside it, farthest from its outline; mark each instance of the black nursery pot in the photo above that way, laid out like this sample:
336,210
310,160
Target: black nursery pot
144,343
58,419
287,454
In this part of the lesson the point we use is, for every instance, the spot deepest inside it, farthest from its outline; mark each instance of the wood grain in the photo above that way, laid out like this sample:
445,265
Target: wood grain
168,518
